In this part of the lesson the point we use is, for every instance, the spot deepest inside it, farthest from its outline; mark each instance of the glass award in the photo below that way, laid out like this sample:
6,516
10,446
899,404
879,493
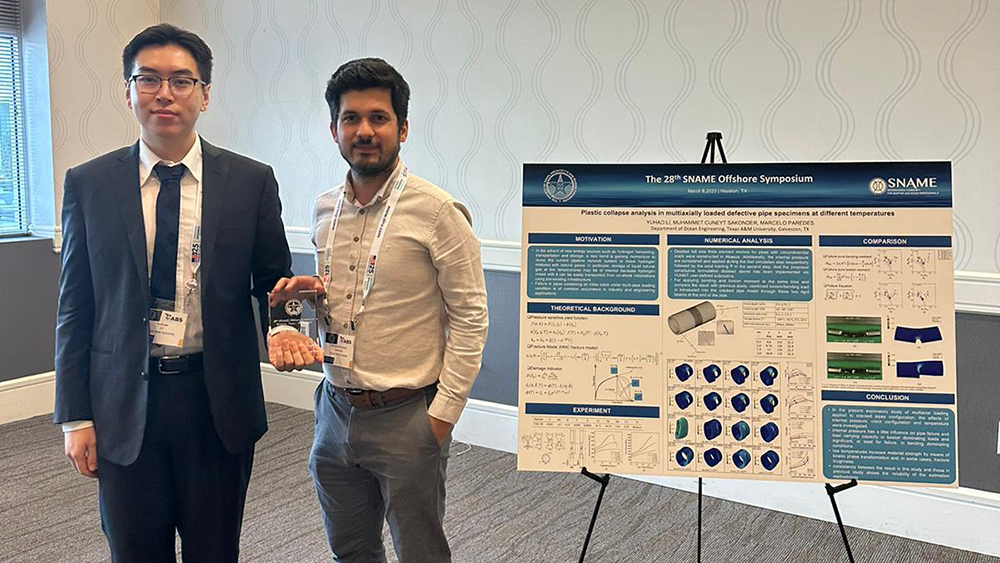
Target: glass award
297,309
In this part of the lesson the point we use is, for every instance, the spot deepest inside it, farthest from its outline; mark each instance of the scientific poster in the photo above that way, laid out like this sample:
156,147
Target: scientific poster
789,321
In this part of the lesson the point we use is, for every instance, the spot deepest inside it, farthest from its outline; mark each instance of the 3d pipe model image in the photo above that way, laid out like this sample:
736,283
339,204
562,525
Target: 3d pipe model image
740,402
768,403
684,372
739,374
713,456
692,317
683,399
681,430
917,335
854,329
850,365
712,400
921,368
769,432
741,459
741,430
685,456
770,460
711,372
768,375
713,429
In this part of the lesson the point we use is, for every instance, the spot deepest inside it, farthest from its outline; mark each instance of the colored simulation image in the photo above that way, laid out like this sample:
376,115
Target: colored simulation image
783,322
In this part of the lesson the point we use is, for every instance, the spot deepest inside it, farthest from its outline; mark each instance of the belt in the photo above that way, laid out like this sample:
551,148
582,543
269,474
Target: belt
176,365
365,399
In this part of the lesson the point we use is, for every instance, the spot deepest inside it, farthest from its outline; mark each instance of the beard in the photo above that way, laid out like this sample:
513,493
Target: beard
370,165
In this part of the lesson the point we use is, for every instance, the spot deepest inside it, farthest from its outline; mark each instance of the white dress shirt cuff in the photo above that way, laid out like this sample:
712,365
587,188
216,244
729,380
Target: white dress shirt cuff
76,425
280,328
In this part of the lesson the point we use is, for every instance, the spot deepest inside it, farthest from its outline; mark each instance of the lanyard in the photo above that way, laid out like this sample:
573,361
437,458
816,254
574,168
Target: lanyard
383,226
191,286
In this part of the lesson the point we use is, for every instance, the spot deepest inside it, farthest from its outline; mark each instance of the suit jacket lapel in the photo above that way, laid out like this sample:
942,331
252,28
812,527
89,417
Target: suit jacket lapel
124,177
214,197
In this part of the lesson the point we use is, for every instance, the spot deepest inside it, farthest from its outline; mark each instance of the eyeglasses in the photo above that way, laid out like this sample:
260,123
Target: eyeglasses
179,85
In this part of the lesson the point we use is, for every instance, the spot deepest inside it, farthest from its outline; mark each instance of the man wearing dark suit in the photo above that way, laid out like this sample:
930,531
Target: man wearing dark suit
157,374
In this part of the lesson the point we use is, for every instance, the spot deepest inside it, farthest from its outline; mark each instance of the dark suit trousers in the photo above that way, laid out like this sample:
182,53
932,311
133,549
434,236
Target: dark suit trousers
183,479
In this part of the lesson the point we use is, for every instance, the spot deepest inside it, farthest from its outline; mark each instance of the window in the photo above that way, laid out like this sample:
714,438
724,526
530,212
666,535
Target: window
13,201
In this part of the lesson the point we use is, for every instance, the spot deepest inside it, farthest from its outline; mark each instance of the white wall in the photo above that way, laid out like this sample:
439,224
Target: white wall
87,95
496,84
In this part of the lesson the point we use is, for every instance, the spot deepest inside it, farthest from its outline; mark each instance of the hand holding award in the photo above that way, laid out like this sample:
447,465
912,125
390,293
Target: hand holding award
293,304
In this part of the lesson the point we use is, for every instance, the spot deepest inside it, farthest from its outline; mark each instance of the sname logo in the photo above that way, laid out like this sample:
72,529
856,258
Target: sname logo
912,183
877,186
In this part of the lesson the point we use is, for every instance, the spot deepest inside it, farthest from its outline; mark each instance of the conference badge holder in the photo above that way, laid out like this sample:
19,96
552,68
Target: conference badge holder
166,326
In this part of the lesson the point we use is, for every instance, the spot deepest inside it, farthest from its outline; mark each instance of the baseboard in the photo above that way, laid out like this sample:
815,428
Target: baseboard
293,389
26,397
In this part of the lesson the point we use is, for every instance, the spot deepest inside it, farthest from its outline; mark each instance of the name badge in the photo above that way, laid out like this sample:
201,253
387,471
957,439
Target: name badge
166,328
339,350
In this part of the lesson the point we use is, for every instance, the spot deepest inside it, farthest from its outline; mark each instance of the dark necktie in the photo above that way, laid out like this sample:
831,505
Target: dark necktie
168,207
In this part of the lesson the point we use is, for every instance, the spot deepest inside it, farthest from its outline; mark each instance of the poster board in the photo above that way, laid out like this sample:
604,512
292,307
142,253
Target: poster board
790,321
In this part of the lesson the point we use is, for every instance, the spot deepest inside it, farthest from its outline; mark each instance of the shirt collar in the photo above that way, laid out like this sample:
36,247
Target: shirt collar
148,159
382,192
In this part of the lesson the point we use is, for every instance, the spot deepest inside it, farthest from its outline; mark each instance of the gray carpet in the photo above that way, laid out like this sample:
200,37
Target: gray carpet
48,514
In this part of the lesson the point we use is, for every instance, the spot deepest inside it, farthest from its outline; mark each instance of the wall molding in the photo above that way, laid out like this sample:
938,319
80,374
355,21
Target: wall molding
53,232
28,396
299,240
501,256
960,518
977,292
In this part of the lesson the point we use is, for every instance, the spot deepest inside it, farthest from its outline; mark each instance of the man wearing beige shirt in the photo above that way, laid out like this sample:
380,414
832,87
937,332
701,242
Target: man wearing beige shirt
404,329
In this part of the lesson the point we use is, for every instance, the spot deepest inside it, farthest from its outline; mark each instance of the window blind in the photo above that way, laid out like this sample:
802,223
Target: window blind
13,200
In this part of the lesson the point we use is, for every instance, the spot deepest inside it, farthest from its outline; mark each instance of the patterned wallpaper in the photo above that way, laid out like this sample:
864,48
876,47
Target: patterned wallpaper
87,97
499,83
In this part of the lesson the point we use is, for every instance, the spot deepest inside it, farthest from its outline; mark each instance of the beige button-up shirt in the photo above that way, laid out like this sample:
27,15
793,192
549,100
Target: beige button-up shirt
425,318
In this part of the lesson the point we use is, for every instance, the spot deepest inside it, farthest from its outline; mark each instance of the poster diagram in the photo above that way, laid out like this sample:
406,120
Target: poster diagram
788,321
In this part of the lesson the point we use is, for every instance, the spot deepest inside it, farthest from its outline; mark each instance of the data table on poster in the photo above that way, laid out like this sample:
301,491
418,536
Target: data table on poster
790,321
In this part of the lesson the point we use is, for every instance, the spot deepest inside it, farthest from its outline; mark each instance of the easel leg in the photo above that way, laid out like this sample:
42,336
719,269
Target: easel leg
714,139
603,480
699,519
831,490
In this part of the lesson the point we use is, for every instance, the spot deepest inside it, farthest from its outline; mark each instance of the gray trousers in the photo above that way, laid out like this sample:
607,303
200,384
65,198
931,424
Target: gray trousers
375,464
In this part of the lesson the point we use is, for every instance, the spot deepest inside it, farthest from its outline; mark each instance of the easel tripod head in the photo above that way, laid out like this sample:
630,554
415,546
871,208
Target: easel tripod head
714,140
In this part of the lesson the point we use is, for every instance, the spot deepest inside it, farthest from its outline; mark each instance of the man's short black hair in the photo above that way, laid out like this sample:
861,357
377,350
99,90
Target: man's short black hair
166,34
361,74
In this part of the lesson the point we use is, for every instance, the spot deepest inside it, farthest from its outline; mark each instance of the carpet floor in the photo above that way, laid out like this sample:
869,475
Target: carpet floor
48,514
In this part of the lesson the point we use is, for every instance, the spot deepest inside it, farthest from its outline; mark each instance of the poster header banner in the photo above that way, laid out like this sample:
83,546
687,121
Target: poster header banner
816,185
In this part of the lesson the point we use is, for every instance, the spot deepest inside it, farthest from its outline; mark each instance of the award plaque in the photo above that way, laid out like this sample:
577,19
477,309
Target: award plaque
297,309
